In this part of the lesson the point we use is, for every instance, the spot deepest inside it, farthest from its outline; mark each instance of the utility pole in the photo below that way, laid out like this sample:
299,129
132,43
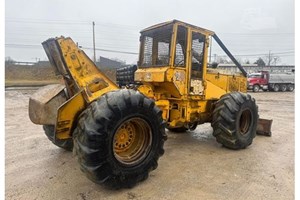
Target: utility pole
94,42
210,49
269,64
275,60
215,57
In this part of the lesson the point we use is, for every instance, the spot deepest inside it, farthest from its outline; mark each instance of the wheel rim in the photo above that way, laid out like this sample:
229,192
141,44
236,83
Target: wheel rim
245,121
132,141
256,88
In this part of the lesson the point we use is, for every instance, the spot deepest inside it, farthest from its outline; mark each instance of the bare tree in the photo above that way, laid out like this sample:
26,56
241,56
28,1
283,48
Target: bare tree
247,61
271,59
222,60
276,59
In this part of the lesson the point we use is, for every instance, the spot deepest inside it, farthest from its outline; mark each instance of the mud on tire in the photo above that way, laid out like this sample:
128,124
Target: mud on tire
65,144
235,120
119,139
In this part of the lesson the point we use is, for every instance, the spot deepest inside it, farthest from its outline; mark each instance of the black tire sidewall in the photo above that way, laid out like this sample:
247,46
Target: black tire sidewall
276,88
283,88
66,144
255,88
226,120
94,138
290,87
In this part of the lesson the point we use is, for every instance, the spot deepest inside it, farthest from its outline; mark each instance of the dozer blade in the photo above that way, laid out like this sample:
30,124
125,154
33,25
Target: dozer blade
264,127
44,103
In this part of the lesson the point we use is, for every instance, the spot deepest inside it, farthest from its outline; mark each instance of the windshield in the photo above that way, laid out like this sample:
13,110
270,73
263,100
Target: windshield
156,46
255,76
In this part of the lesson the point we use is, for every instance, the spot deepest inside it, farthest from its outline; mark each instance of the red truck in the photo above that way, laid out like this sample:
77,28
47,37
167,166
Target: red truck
271,82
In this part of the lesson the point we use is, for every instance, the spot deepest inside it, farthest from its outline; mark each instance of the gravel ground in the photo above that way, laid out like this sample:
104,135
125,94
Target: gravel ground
194,165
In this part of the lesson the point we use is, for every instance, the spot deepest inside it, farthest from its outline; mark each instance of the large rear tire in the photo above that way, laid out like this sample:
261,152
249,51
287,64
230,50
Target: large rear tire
283,87
276,88
65,144
119,138
290,87
235,120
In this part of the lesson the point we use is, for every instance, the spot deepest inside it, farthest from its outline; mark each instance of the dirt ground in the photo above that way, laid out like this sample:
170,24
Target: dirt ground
194,165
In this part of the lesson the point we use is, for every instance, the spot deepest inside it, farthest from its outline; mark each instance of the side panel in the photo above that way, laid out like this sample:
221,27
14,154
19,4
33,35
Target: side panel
67,114
282,78
178,113
168,82
228,83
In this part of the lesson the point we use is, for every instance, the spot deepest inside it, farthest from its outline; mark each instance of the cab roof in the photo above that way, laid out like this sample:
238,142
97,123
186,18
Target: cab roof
177,22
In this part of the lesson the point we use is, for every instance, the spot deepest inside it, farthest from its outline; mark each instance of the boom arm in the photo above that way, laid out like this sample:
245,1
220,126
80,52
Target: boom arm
84,83
77,69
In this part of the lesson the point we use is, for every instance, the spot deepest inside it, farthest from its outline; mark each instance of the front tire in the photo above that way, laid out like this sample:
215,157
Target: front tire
66,144
255,88
119,138
235,120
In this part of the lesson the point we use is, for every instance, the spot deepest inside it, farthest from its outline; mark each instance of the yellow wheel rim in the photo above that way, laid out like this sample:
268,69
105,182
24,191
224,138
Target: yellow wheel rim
132,141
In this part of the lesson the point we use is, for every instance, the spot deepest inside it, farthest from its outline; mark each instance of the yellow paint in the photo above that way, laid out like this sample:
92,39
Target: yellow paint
67,114
84,82
84,72
182,100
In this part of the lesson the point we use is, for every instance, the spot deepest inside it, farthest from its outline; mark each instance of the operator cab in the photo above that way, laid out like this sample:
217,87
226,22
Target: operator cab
173,61
175,48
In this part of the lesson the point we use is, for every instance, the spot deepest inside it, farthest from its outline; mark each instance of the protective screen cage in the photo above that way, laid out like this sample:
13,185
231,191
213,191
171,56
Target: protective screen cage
156,46
181,43
197,47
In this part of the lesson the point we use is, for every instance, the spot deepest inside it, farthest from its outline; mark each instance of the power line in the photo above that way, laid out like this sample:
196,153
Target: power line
258,34
283,53
89,48
23,45
129,27
113,51
70,22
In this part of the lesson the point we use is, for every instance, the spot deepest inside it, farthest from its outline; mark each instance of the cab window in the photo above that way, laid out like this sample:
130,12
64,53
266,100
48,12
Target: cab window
181,45
197,51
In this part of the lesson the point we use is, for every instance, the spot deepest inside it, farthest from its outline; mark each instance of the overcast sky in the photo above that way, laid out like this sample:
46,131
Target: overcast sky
249,28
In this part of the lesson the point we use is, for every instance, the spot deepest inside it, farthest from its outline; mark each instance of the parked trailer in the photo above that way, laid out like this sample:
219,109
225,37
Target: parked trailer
271,82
